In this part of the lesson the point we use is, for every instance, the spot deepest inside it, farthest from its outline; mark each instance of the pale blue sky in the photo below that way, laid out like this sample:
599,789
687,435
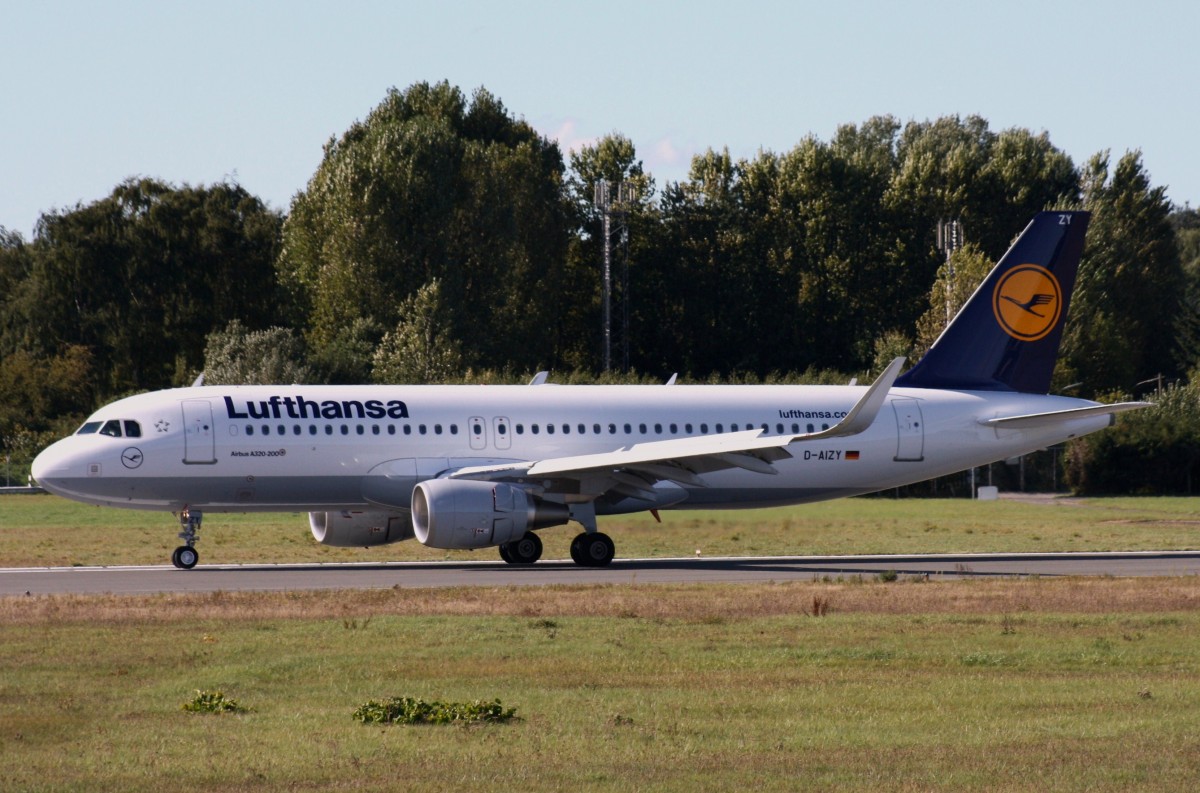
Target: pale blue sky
92,93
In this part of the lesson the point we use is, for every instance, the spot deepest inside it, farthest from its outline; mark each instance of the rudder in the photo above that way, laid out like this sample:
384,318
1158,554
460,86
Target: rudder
1006,336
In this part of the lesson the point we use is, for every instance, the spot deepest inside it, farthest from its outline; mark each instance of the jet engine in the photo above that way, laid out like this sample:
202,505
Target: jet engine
354,529
449,513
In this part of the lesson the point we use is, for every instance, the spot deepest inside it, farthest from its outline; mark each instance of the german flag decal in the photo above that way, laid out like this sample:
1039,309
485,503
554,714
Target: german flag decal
851,455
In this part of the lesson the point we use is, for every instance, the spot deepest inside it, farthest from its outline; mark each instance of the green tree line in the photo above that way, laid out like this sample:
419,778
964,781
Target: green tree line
442,238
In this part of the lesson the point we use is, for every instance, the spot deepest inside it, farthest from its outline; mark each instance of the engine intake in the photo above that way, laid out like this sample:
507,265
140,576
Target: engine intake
459,514
353,529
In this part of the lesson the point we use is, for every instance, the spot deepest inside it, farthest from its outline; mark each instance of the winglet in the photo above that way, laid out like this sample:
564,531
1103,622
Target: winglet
862,415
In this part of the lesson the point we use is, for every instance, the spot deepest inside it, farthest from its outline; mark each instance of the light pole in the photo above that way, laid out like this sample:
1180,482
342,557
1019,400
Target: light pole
612,200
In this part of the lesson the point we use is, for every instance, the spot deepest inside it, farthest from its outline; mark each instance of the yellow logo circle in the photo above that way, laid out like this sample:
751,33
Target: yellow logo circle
1027,302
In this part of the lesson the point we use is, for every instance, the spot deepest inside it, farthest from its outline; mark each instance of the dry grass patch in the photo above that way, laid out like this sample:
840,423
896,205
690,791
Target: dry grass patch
660,601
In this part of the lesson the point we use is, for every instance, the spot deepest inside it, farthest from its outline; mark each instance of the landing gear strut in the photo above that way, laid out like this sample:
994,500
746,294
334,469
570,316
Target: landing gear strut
526,550
593,549
185,556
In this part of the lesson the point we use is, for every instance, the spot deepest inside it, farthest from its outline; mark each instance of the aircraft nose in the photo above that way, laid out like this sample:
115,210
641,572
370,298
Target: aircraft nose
52,467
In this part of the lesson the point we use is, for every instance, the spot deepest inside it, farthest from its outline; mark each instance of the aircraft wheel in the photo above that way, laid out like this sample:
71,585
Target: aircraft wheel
593,550
504,554
185,557
526,550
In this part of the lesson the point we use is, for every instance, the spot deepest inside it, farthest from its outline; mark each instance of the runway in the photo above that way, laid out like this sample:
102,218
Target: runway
240,578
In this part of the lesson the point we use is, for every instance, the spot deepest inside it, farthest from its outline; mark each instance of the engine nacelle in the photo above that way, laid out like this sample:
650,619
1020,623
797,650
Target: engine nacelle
452,513
354,529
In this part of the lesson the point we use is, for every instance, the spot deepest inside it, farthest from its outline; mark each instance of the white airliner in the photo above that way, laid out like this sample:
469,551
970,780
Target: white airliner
478,466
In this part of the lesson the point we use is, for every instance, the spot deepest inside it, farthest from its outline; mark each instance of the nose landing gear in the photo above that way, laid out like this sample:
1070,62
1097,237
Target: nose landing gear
185,556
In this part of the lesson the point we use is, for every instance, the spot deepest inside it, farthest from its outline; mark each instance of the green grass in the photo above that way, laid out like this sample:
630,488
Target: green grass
46,530
689,698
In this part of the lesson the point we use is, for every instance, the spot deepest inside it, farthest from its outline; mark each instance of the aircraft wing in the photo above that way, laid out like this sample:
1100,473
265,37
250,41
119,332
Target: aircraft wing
681,460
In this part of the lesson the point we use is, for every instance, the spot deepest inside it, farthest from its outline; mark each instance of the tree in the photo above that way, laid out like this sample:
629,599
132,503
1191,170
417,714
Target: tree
141,277
237,355
421,348
429,187
956,281
1128,295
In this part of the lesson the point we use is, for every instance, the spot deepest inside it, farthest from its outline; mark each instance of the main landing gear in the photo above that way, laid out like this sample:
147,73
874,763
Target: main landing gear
592,549
185,556
589,549
526,550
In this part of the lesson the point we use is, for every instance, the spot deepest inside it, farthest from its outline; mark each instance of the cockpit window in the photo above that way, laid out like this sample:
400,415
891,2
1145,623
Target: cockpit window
112,428
88,428
132,429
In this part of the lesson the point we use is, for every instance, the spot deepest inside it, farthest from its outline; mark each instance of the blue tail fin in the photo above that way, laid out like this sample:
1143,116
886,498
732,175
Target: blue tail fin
1006,336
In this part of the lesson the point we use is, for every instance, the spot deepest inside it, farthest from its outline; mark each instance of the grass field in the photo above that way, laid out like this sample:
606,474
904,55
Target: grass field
47,530
1037,684
969,685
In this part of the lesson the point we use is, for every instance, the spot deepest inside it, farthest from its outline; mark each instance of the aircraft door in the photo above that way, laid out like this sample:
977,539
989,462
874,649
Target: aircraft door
910,430
500,431
477,428
199,440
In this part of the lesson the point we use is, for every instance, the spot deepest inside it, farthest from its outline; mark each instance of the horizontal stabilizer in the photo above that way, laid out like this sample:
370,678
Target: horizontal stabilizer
1059,416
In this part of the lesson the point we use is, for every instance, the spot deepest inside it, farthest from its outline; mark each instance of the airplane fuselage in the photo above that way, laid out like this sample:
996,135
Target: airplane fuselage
314,448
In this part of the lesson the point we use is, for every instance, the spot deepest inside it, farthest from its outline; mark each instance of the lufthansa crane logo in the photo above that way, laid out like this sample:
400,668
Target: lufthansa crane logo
1027,302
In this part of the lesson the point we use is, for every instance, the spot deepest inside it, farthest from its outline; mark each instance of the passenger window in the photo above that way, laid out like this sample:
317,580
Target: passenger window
359,429
703,429
421,429
628,429
328,429
688,428
733,428
658,429
312,429
642,428
612,429
582,429
391,429
249,429
720,428
596,429
437,429
132,429
111,428
674,428
454,429
520,429
374,429
795,429
810,428
345,429
408,429
549,429
534,429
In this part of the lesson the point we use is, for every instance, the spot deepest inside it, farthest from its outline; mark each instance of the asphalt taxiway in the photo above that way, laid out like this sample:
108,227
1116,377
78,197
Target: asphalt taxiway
259,577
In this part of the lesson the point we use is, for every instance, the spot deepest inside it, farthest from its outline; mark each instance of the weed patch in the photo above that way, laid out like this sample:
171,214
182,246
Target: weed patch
213,702
407,710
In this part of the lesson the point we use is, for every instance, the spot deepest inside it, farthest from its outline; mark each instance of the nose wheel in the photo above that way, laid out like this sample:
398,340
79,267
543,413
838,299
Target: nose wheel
185,556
